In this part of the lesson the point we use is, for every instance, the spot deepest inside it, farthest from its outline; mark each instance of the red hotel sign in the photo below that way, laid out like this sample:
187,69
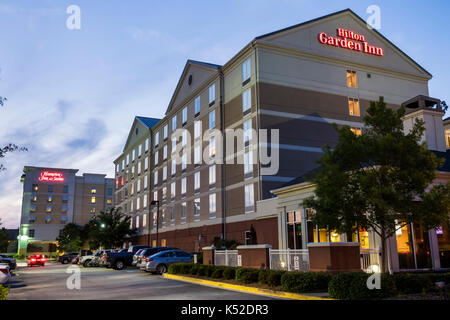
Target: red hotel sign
350,40
51,176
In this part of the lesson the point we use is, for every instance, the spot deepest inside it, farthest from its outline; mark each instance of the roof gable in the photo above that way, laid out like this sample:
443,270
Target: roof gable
305,37
195,74
139,129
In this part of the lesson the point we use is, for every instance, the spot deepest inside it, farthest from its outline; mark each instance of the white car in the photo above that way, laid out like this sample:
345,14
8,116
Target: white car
5,274
84,260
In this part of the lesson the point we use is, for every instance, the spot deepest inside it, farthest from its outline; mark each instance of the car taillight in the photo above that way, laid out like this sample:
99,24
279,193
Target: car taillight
43,259
5,271
33,260
148,259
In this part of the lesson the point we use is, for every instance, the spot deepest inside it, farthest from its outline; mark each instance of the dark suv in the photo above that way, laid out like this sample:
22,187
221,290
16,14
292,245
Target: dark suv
68,257
9,261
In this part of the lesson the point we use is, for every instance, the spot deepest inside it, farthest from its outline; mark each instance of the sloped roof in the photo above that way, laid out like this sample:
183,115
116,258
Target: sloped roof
148,122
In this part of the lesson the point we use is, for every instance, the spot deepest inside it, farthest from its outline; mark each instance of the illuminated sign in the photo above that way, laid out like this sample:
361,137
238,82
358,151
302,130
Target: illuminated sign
350,40
51,176
439,230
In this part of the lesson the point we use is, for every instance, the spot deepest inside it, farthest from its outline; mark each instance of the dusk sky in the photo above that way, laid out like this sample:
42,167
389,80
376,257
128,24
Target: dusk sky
73,94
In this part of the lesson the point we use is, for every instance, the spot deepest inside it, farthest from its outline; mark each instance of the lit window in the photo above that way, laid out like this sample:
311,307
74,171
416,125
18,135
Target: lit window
92,210
144,219
246,70
356,131
249,198
49,198
35,187
123,164
197,181
137,222
108,201
197,129
197,209
48,219
197,106
246,100
212,119
447,138
49,208
174,123
138,203
93,190
184,115
212,175
33,208
93,199
353,107
212,205
351,79
212,94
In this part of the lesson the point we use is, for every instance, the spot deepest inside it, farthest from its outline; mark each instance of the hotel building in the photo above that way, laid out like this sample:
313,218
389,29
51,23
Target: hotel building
299,81
54,197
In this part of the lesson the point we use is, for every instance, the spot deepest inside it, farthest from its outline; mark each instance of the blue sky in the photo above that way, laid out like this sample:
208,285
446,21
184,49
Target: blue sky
73,94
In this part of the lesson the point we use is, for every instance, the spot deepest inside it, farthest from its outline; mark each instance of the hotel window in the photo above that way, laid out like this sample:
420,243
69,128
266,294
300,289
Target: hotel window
174,145
144,201
132,173
247,131
172,191
212,147
197,209
156,158
156,138
184,115
31,233
164,194
144,220
140,150
197,129
65,189
155,195
108,201
353,106
123,164
139,168
49,208
212,176
212,119
117,168
138,189
248,163
48,219
174,167
92,210
63,219
93,199
133,155
166,131
128,159
146,144
138,203
174,123
246,71
164,178
33,208
35,187
356,131
49,198
50,188
183,212
109,191
212,94
447,138
132,189
34,197
145,182
183,187
197,155
246,101
32,219
131,206
197,182
351,79
165,152
197,106
249,198
212,205
146,164
137,222
163,217
184,138
155,177
64,208
65,198
172,215
183,162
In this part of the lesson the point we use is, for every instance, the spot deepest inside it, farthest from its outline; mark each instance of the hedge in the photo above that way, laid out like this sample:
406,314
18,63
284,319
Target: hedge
3,292
270,277
247,275
229,273
301,282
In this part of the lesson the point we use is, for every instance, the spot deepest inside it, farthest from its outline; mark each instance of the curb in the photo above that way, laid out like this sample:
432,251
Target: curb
235,287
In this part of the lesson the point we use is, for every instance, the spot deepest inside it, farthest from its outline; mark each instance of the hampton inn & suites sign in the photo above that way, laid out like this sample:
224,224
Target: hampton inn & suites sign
350,40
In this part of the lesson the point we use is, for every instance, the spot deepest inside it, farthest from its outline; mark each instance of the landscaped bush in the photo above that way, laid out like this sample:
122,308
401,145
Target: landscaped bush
180,268
3,292
247,275
201,270
209,269
194,269
270,277
353,286
229,273
217,273
305,281
413,283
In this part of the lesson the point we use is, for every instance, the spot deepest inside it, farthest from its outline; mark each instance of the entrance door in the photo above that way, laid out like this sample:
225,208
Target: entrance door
413,247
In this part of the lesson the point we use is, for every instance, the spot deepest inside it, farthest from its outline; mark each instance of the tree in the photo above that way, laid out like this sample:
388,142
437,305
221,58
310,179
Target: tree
110,229
71,238
220,243
378,180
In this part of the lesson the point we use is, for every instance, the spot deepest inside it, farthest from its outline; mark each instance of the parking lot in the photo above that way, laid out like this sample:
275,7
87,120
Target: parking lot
50,282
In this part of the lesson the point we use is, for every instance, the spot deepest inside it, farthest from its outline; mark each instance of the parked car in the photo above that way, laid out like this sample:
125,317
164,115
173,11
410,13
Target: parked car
36,260
5,273
135,257
87,259
68,257
9,261
121,260
161,261
145,253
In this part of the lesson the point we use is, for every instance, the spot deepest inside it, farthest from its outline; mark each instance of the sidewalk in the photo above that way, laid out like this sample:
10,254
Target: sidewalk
252,290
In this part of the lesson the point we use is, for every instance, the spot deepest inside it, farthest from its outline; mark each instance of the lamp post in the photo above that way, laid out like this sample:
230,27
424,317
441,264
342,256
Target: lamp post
157,217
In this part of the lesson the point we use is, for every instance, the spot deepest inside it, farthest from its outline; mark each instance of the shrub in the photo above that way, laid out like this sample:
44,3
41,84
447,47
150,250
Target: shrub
3,292
185,268
174,269
209,269
201,270
247,275
194,269
270,277
353,286
229,273
413,283
305,281
218,273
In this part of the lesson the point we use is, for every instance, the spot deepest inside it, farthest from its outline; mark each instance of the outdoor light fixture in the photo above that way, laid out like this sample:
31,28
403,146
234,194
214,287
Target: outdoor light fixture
102,225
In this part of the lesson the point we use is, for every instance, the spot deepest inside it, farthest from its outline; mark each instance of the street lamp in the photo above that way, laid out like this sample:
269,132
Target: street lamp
157,218
102,226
